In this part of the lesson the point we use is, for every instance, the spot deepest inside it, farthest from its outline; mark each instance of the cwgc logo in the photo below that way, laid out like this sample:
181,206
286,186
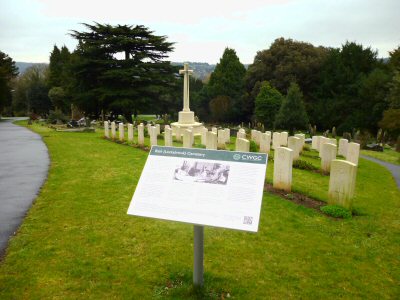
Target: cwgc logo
236,156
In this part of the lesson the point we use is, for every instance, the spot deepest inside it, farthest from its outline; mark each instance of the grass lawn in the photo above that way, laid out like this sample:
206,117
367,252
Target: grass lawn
388,155
77,242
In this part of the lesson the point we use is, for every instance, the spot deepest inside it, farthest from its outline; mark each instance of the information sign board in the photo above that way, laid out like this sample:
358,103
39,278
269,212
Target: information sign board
204,187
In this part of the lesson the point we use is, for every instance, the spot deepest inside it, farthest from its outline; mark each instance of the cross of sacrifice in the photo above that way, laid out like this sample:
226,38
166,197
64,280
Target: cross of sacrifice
186,73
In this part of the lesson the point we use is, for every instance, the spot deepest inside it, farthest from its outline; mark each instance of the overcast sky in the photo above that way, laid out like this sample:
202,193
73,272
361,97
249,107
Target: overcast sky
202,29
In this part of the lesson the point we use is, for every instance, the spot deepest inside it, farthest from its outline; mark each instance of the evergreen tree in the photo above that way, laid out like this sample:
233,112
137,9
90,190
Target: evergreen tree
8,71
228,80
106,81
268,102
292,114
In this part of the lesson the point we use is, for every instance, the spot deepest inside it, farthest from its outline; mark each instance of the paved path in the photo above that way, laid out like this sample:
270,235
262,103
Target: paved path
394,169
24,162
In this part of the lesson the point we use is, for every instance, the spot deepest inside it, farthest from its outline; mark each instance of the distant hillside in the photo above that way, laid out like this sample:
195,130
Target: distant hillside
22,66
200,70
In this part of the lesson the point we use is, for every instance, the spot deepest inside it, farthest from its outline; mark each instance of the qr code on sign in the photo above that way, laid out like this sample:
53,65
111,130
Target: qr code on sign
248,220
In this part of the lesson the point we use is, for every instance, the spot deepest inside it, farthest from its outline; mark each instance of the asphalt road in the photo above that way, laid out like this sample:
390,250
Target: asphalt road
394,169
24,162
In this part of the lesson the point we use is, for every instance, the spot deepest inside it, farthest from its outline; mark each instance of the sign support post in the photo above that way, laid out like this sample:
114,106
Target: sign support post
198,247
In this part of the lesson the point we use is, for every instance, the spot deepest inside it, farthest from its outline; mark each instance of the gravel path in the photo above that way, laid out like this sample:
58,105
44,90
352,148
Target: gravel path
24,162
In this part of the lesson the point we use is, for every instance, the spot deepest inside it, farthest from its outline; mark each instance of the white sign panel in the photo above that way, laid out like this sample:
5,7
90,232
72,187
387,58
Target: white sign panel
204,187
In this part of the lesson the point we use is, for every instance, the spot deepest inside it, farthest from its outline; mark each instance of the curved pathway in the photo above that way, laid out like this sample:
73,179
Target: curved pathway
24,163
394,169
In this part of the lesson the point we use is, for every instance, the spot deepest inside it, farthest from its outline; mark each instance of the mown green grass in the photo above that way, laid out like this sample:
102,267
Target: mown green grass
388,155
77,242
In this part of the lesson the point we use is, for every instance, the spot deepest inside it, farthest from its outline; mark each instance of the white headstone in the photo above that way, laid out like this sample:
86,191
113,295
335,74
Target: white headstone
158,127
227,136
113,131
214,129
241,135
328,154
242,145
294,143
276,140
353,153
130,133
211,141
106,130
283,161
265,142
343,143
204,131
302,138
153,136
121,132
168,137
322,140
314,143
284,138
178,133
141,134
342,183
187,138
333,141
221,138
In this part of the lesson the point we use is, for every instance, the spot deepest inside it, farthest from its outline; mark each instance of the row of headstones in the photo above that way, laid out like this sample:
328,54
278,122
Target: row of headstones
328,150
288,148
343,173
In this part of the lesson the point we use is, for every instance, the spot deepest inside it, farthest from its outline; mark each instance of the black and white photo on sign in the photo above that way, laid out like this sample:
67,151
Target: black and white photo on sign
199,171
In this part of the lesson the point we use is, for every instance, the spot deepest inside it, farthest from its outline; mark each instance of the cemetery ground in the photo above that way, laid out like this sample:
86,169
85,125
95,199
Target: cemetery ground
78,242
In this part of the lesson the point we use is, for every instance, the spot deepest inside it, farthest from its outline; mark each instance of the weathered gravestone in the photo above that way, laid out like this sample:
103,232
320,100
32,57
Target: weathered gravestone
227,135
302,138
168,137
294,143
113,131
328,154
141,134
211,140
265,142
204,131
221,138
284,138
106,130
242,145
343,143
276,140
187,138
121,132
153,136
130,133
342,183
353,153
283,161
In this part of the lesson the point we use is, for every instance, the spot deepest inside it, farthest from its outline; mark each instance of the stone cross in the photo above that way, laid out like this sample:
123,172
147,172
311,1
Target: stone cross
186,73
342,183
283,161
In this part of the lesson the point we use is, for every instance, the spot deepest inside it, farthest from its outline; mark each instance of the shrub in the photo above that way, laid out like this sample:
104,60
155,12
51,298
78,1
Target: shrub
303,165
56,116
336,211
253,146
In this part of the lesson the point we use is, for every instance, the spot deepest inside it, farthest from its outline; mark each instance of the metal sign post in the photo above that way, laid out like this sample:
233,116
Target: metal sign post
198,247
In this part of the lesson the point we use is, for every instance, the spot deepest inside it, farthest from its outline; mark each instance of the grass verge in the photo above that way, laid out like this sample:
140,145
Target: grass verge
77,242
